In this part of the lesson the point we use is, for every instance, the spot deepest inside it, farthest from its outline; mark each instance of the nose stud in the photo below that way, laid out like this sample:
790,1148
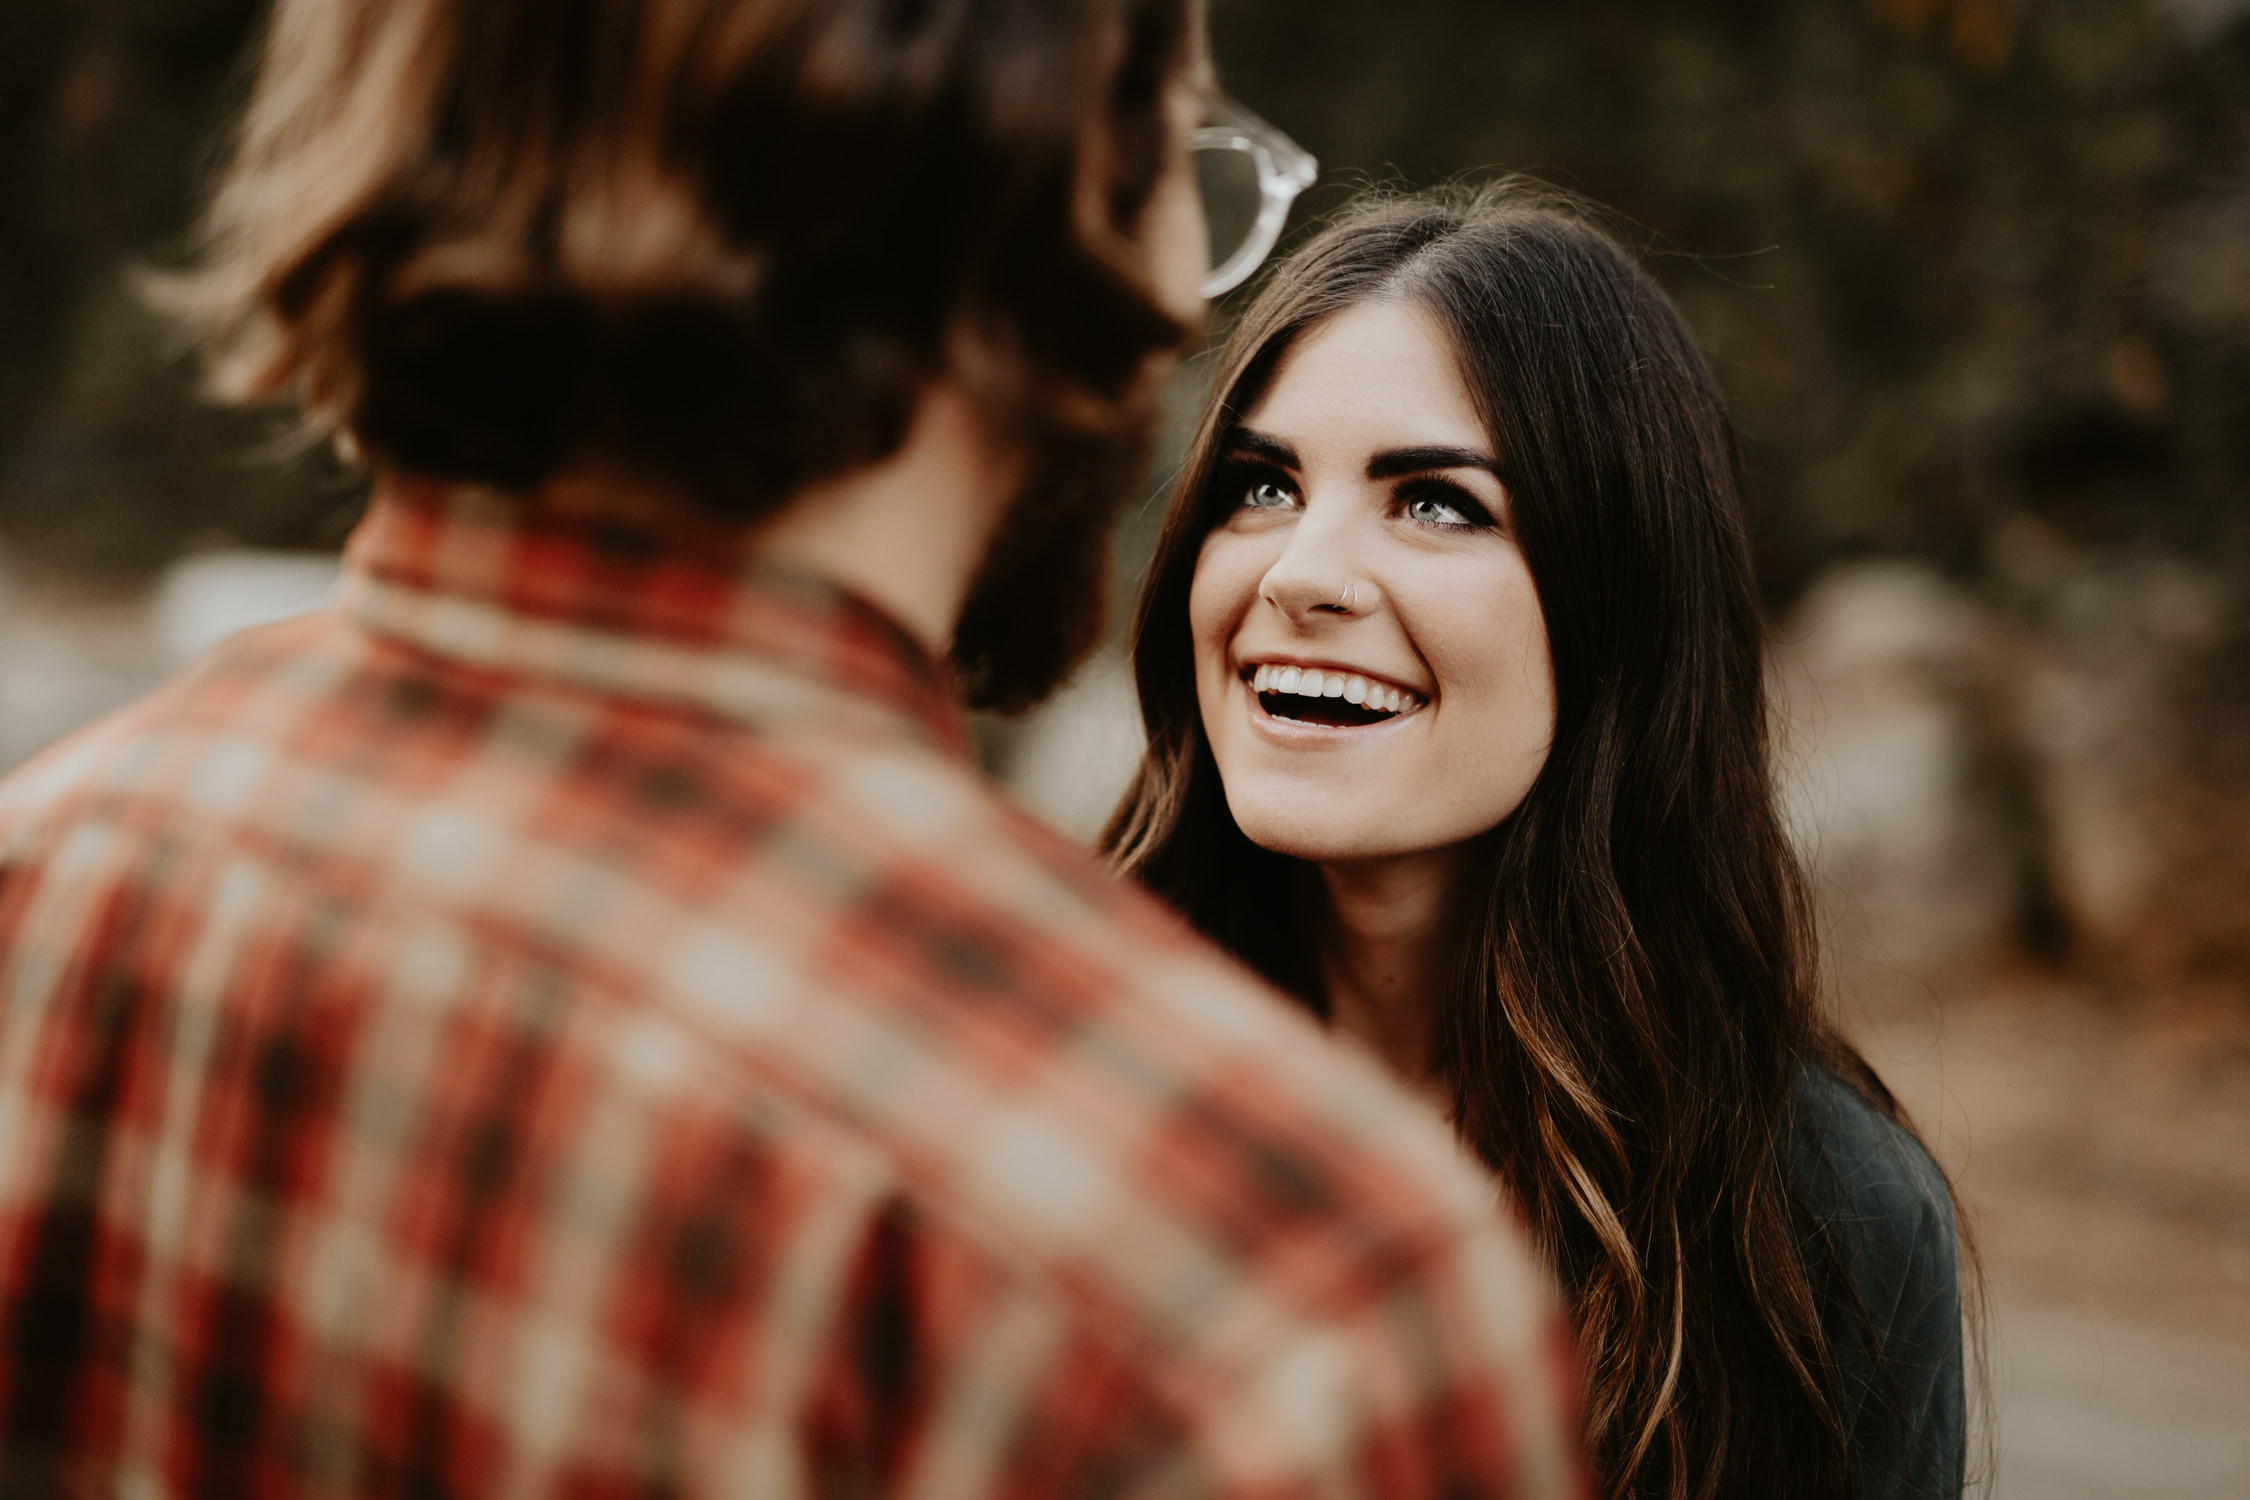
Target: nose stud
1346,601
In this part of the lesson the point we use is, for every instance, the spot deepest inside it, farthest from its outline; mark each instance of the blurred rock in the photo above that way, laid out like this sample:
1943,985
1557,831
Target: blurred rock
1070,760
203,599
2061,766
1883,678
69,654
67,657
2136,719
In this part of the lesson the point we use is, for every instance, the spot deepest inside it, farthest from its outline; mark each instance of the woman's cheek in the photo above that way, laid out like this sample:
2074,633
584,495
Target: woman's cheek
1488,654
1216,600
1225,584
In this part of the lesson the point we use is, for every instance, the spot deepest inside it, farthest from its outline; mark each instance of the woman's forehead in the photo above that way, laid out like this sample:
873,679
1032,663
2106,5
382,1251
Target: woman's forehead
1379,373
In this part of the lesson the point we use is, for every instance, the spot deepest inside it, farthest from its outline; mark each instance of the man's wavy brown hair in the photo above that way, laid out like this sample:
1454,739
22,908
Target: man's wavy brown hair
719,246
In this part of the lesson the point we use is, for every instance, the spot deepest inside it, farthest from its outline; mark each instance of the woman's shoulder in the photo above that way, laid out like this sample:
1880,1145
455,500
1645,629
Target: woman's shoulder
1886,1215
1856,1168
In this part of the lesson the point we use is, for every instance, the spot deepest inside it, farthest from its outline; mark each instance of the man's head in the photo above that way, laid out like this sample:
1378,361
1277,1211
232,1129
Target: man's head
720,247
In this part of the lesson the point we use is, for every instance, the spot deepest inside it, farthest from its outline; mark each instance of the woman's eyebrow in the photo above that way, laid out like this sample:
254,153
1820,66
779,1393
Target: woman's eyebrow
1262,445
1393,462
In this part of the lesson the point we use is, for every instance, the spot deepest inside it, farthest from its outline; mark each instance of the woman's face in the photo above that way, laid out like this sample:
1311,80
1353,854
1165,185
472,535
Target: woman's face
1370,656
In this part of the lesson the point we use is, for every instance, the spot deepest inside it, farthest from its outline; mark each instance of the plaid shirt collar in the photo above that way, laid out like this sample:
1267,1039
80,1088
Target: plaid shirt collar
686,616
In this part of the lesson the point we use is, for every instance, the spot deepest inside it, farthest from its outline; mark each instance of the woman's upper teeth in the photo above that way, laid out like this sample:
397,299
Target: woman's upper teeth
1316,682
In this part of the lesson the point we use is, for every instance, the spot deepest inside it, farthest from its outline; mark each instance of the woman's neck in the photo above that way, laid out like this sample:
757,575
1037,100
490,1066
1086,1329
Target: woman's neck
1381,946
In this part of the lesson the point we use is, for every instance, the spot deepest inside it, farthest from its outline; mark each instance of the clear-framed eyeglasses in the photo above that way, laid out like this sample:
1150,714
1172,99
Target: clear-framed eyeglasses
1249,174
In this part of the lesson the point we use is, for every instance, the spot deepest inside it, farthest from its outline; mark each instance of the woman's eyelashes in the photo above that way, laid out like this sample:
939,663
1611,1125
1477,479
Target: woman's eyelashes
1438,504
1446,507
1254,487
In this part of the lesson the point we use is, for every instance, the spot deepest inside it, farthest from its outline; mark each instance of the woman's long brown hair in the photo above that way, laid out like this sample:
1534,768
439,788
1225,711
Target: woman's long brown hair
1636,986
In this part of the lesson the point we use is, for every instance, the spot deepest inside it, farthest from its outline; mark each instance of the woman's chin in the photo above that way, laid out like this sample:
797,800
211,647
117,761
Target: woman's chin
1321,839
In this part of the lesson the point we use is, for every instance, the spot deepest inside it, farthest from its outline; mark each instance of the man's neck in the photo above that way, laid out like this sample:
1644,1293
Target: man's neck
1381,947
906,534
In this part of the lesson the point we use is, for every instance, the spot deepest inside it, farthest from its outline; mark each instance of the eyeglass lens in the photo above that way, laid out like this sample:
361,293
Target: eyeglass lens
1233,194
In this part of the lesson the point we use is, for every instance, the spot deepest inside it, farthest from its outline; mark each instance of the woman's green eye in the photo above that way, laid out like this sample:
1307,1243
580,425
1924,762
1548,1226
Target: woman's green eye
1266,495
1436,512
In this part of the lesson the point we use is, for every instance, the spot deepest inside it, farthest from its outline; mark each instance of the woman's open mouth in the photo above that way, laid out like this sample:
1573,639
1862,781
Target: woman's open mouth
1335,699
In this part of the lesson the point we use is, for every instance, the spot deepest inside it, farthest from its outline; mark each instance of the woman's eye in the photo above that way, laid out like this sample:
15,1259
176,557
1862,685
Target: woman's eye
1265,494
1433,511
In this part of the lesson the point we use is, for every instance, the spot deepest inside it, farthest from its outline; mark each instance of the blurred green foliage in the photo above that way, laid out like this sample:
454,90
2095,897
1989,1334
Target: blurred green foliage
111,115
1960,263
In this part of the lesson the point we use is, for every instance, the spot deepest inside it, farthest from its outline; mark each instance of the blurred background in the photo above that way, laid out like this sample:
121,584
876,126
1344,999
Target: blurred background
1976,276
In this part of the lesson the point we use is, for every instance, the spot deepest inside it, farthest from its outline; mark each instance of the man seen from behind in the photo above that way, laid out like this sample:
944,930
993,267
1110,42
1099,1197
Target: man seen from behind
567,1018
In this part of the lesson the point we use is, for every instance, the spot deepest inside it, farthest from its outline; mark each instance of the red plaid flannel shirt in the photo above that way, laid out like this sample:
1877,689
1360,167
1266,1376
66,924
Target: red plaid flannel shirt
568,1020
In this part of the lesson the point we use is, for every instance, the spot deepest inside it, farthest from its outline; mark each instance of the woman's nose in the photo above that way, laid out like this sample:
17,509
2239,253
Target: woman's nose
1314,576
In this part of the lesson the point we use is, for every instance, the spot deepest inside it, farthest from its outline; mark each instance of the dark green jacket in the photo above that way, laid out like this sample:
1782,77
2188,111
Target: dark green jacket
1886,1211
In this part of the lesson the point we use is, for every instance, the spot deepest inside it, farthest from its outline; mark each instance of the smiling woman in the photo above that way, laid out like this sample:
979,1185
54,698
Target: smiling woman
1451,664
1367,547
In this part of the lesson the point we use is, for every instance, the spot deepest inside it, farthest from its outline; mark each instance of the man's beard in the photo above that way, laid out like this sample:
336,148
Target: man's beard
1040,597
